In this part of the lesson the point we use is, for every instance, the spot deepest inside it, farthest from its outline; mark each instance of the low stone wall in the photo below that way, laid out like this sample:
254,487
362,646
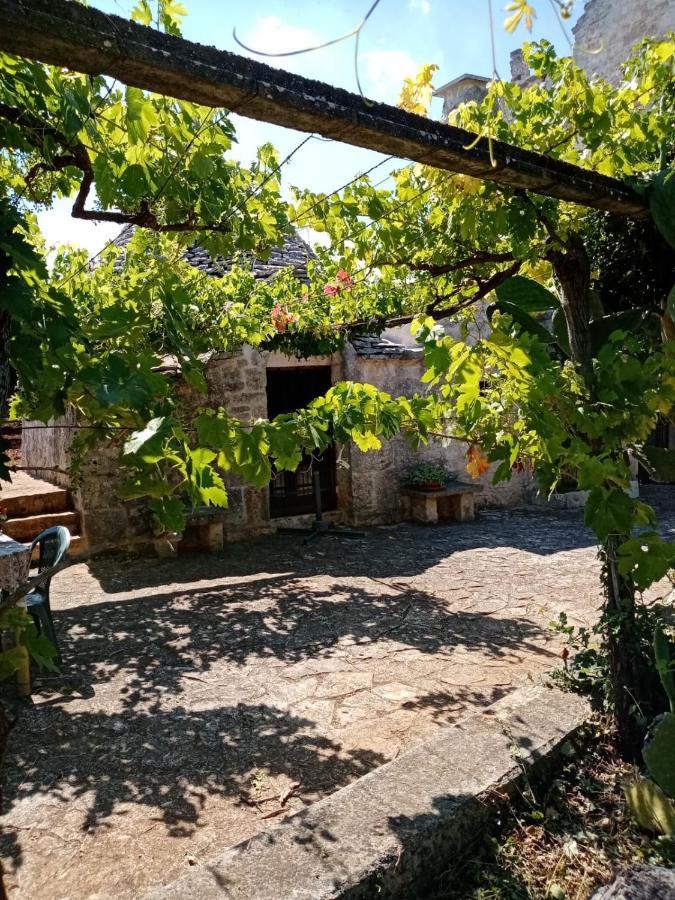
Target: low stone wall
389,834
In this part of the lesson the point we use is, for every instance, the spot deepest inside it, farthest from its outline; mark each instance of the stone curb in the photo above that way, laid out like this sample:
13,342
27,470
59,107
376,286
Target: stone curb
391,831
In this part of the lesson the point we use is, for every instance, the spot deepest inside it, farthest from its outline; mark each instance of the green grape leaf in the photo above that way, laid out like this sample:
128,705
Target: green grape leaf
169,512
661,195
660,461
659,754
526,294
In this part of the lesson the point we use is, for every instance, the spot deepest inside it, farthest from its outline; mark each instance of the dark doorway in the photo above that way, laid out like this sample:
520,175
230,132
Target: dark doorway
292,493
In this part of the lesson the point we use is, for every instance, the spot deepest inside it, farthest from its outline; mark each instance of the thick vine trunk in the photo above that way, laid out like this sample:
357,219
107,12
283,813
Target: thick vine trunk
6,374
6,380
572,270
630,681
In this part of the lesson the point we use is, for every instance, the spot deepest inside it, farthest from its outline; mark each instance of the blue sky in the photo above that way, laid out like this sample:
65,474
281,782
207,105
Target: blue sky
400,36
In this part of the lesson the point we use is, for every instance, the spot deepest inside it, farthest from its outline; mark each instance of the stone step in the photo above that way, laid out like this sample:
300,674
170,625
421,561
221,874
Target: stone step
26,528
19,506
78,545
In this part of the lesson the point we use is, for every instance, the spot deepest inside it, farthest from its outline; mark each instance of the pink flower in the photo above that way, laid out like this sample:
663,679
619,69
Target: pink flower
345,278
331,290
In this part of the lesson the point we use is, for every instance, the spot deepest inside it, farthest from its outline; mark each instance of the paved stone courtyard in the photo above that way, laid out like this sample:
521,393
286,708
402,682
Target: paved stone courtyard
206,697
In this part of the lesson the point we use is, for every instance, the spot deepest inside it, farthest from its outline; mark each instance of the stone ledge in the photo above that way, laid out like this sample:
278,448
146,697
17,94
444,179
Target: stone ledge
398,825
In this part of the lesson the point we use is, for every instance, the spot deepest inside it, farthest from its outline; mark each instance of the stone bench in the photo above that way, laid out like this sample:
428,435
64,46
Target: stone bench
206,532
455,502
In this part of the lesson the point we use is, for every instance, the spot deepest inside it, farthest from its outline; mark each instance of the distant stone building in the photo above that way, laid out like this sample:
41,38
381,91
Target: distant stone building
604,36
462,89
607,31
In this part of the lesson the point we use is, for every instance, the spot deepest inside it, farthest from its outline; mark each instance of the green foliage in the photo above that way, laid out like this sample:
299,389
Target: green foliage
661,196
659,754
26,638
647,559
588,668
651,799
664,656
650,807
659,461
527,294
426,473
10,662
631,264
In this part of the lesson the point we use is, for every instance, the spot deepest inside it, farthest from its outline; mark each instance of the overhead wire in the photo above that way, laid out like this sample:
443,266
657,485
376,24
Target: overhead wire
354,32
556,12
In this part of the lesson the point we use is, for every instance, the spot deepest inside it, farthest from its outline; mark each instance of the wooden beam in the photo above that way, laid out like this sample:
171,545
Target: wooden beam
65,33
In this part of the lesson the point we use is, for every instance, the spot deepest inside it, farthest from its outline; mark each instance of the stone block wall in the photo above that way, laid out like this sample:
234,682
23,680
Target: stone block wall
237,382
106,520
607,31
367,483
465,89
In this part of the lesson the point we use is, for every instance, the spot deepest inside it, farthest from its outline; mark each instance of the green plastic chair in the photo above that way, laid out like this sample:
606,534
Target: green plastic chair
53,544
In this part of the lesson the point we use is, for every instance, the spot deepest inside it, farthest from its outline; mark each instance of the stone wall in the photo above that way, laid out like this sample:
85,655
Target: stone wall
47,448
237,382
367,483
465,89
607,31
105,519
374,477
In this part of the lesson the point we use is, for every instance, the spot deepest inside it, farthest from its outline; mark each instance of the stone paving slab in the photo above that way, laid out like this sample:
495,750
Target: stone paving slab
200,689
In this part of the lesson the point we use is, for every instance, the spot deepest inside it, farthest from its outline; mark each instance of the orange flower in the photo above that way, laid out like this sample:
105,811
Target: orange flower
281,317
477,462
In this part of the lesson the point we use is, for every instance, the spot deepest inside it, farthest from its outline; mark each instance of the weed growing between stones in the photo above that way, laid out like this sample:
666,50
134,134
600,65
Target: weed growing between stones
562,841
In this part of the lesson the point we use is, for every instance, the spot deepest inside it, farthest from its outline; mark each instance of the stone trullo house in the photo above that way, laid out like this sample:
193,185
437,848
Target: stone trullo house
357,488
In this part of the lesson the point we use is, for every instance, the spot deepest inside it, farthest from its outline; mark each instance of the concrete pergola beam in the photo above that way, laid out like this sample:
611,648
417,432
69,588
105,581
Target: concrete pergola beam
65,33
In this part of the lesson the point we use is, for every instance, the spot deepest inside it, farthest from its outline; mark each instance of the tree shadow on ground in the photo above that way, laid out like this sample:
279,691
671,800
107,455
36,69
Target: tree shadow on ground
158,639
250,623
148,750
385,552
168,761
